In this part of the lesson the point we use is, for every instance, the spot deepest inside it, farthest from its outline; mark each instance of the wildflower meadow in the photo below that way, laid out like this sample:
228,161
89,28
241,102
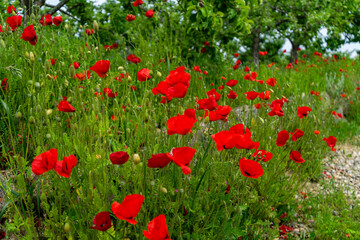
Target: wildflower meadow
176,119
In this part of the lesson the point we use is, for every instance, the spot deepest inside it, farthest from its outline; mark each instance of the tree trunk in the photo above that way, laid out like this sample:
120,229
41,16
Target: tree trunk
31,7
256,45
294,51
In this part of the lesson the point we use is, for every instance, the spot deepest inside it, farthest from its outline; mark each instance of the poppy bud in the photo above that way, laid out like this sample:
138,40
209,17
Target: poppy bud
2,43
136,158
95,26
49,112
158,73
163,190
96,48
71,71
18,115
47,65
207,119
31,120
129,78
48,136
30,82
37,85
81,26
66,83
88,52
66,26
38,108
67,227
120,68
128,130
32,57
27,54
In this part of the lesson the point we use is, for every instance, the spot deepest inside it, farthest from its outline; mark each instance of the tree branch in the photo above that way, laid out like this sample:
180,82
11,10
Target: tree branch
57,7
64,12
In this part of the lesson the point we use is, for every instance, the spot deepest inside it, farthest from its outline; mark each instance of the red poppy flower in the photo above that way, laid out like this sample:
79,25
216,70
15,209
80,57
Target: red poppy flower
178,76
297,134
220,113
235,67
65,166
203,50
44,162
118,158
251,77
181,124
276,110
130,18
108,92
157,229
101,68
262,155
4,83
160,160
57,20
337,115
250,168
236,55
81,76
182,157
317,132
102,221
65,106
1,30
137,3
227,189
149,13
296,156
282,138
331,142
289,66
53,61
207,103
129,208
214,93
235,137
14,22
263,53
247,69
271,82
232,95
46,20
197,69
251,95
29,35
76,65
265,95
257,106
178,81
303,111
143,75
89,32
231,83
10,9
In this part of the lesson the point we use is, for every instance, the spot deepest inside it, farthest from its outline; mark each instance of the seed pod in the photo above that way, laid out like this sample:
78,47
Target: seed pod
18,115
136,158
71,71
32,57
95,26
31,120
67,227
